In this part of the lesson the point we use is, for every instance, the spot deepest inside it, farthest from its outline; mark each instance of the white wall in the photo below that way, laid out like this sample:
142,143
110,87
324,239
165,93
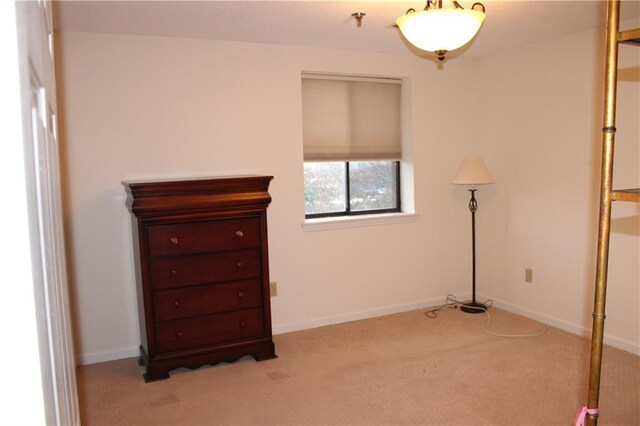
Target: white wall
541,124
136,107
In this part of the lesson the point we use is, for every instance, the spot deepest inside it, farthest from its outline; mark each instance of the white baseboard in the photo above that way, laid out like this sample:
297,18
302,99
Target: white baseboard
96,357
613,341
360,315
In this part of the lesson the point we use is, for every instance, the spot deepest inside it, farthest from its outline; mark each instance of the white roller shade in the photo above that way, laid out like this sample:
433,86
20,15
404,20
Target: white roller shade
350,119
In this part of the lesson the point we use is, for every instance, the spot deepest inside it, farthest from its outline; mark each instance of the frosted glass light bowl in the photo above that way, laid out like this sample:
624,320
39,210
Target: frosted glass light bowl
437,30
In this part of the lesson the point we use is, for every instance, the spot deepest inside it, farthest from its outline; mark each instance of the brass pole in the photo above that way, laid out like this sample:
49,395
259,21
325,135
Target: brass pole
608,139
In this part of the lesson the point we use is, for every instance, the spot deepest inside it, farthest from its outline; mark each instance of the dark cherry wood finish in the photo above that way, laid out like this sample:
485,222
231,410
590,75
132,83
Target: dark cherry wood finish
202,270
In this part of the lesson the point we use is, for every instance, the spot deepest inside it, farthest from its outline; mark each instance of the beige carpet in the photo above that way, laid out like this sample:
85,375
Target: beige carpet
398,369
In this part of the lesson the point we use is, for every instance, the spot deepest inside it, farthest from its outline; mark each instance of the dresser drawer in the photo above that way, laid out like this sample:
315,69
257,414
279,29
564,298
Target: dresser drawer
170,272
204,237
209,330
206,299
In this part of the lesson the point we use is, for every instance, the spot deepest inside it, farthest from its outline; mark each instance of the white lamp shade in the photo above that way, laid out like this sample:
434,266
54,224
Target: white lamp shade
473,171
440,29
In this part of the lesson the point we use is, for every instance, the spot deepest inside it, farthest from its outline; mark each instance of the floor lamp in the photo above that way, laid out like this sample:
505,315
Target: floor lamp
473,172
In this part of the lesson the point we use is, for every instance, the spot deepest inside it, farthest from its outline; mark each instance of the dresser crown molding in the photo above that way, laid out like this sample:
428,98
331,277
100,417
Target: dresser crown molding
163,196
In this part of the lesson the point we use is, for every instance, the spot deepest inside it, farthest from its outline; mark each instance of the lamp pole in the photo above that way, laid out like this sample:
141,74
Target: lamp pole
473,307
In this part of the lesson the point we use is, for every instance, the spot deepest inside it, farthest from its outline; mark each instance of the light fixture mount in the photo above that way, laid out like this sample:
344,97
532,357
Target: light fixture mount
358,16
441,26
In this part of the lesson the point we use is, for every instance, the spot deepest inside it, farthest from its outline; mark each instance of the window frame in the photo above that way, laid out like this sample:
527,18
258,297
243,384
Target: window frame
348,212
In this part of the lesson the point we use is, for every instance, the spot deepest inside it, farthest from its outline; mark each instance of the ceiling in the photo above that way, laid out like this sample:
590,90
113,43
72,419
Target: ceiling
329,24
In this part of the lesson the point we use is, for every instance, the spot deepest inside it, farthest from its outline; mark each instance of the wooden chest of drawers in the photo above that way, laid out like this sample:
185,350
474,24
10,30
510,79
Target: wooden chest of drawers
202,271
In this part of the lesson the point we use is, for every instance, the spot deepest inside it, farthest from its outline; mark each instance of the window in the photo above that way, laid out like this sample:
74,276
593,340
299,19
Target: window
351,187
351,133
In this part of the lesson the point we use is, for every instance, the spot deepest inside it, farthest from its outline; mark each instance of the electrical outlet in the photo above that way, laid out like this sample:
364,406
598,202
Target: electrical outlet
528,275
273,288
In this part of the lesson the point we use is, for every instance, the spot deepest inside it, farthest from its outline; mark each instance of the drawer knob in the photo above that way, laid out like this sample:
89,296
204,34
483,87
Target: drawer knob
174,240
241,295
242,324
176,303
179,334
239,234
239,265
174,272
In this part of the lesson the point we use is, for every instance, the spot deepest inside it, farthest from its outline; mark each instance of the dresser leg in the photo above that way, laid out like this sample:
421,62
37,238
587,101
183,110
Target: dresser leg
154,377
265,357
266,352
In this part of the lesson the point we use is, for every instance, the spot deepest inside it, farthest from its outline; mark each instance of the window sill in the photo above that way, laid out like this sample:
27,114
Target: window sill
327,223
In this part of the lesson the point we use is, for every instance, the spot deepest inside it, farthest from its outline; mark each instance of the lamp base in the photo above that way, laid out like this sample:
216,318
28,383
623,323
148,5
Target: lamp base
473,308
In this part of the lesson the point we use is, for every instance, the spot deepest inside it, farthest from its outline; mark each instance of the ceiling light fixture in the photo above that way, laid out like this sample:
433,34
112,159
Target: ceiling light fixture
441,28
